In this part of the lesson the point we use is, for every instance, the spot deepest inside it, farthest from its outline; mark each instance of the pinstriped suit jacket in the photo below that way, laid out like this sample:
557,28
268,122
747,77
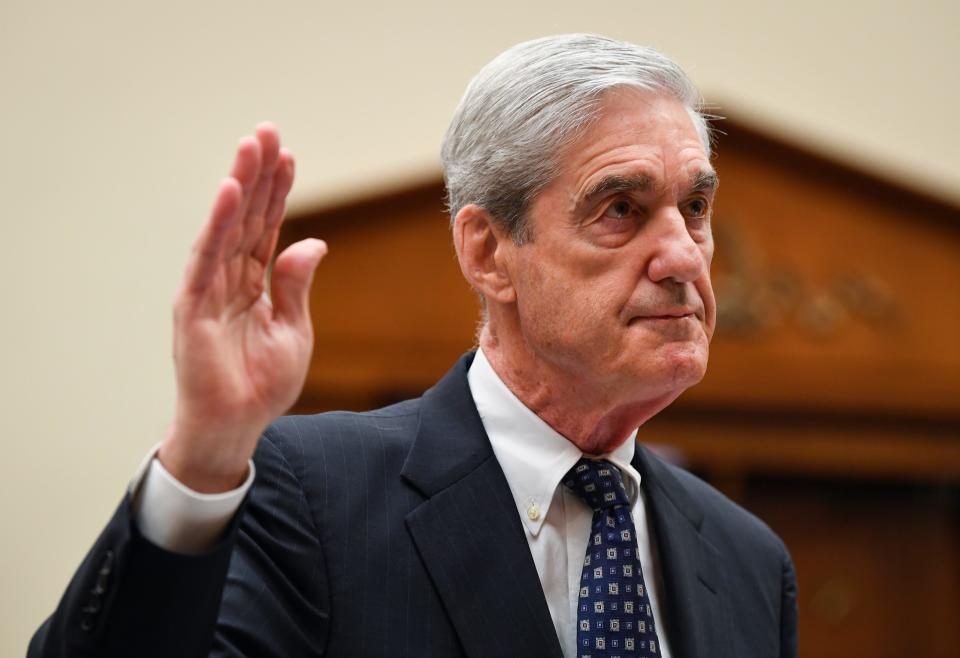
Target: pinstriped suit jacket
393,533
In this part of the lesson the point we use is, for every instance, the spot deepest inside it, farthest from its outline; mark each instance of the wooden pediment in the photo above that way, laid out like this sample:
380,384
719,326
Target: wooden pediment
836,291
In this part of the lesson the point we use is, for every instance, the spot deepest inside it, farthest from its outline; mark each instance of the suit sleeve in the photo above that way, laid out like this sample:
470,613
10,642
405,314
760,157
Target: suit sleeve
788,609
275,602
130,597
260,592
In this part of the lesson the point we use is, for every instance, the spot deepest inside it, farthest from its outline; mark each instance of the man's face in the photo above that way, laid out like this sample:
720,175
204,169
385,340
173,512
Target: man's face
614,288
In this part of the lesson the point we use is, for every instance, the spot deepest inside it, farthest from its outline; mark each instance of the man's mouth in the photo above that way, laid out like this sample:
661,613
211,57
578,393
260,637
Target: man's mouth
669,314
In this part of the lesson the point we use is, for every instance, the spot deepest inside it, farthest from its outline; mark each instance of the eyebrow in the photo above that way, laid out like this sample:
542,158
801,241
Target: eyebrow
705,181
617,184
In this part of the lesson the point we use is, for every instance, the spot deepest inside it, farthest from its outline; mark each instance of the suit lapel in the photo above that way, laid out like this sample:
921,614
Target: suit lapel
697,619
473,545
468,532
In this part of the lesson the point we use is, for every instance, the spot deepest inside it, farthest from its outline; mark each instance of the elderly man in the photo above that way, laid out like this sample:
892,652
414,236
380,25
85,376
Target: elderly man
507,512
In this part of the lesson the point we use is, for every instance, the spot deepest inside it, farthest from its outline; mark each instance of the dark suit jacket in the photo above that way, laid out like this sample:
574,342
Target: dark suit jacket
394,533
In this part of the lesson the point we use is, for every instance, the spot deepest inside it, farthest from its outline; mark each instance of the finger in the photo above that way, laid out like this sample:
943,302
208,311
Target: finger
290,283
269,141
206,257
222,232
282,183
247,165
263,252
246,170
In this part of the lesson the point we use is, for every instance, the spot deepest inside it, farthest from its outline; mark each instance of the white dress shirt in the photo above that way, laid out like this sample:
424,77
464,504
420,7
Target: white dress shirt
175,517
534,458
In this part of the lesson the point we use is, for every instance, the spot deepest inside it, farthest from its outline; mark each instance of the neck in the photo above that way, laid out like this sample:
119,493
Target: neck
595,420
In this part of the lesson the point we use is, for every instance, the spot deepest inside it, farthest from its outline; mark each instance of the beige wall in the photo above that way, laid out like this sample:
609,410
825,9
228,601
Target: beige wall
119,118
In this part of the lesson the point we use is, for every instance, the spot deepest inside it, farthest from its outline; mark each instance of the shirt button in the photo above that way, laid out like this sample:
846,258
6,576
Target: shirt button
533,512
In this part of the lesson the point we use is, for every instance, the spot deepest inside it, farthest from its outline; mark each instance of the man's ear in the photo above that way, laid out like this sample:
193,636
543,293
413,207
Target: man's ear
482,248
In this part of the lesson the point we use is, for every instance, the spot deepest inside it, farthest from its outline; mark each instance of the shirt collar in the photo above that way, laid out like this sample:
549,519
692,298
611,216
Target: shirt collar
534,456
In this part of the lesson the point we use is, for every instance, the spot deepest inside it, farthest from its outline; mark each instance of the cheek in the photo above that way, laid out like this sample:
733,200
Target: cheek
560,308
570,296
705,288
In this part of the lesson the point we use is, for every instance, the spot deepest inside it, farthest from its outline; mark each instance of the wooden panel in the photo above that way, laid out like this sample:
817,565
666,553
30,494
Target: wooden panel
877,566
724,444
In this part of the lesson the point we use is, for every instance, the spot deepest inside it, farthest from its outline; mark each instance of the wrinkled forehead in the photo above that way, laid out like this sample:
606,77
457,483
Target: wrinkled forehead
627,97
636,140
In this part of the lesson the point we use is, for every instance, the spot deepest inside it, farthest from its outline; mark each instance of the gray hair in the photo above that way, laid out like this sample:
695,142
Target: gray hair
523,108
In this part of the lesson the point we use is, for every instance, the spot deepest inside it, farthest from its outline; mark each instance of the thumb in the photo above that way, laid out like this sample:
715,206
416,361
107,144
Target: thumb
291,279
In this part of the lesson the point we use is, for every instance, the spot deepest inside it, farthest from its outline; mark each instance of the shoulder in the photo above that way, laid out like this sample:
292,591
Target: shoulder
748,563
751,560
724,515
310,434
733,530
327,447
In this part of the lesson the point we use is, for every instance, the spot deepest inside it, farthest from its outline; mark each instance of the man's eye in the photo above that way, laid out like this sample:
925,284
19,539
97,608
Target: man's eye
697,208
619,209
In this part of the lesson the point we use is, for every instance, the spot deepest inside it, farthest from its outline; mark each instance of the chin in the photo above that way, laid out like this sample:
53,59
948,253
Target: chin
682,366
686,375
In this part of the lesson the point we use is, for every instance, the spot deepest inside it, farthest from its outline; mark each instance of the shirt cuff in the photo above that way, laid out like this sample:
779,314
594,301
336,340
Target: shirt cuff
175,517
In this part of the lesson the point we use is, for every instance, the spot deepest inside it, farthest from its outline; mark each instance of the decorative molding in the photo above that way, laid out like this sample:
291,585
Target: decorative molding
755,297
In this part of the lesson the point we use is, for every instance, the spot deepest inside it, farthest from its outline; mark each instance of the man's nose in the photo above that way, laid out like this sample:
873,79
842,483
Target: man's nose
677,256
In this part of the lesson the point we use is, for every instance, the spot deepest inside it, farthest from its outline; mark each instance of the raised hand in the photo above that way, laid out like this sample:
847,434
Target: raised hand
241,357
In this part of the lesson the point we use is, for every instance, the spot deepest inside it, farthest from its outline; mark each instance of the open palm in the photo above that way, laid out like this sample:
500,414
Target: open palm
241,356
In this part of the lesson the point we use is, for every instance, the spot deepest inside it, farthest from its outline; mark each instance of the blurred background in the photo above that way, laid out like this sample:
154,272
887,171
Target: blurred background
832,408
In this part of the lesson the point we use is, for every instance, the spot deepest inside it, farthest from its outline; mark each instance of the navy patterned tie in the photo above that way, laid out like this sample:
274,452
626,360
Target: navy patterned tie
614,616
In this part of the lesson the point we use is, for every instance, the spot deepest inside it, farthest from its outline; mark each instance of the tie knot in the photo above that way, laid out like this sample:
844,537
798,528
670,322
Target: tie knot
598,483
